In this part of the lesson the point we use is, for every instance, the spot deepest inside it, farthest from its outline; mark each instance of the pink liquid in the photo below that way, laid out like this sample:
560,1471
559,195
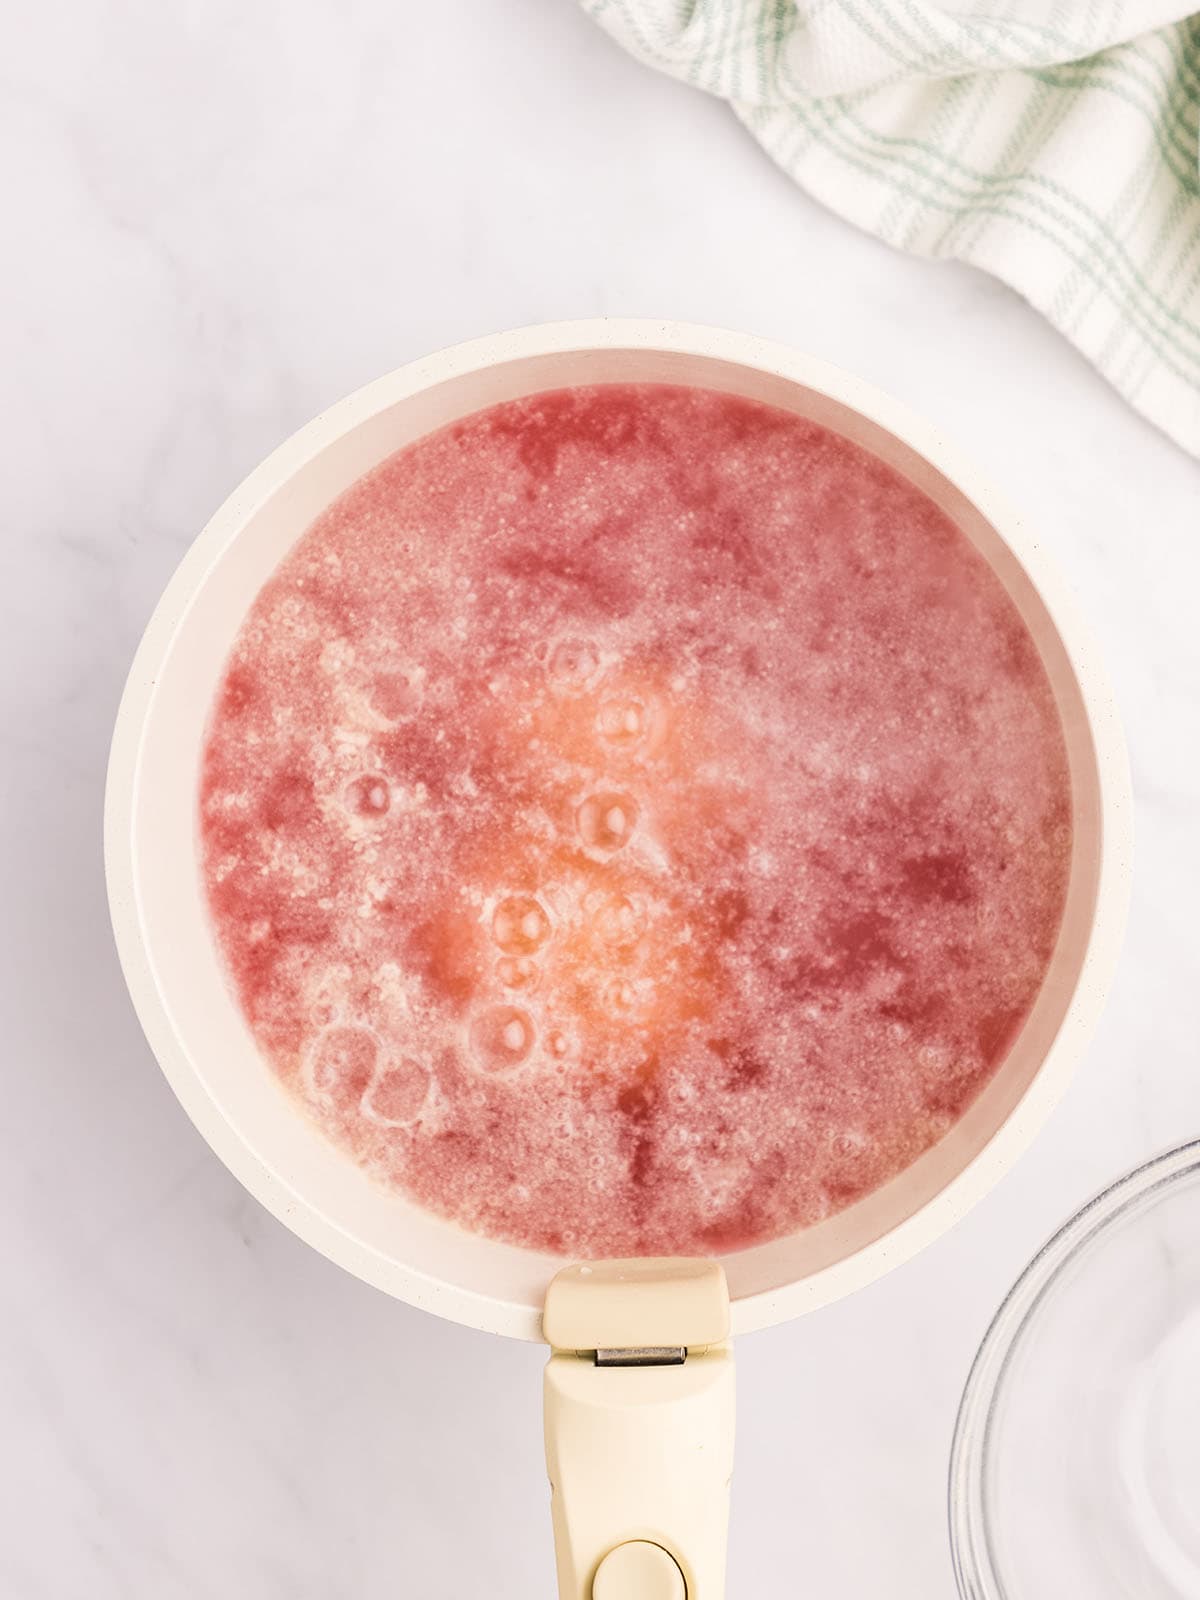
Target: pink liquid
635,820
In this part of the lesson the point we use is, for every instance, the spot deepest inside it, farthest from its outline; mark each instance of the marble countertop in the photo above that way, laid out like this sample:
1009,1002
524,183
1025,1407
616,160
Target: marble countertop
223,218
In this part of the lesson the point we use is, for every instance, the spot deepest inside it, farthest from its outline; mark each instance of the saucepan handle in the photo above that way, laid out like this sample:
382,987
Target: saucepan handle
639,1406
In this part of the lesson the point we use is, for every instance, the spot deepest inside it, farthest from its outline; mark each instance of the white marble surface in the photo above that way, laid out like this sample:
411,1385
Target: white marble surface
222,217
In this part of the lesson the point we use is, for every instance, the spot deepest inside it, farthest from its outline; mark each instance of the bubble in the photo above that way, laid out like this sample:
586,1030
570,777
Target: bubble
573,664
559,1043
342,1062
520,925
516,972
396,695
501,1038
607,819
619,996
622,722
619,922
850,1145
367,796
396,1094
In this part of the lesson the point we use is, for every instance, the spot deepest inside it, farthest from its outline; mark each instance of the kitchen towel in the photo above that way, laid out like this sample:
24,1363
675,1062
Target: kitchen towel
1053,145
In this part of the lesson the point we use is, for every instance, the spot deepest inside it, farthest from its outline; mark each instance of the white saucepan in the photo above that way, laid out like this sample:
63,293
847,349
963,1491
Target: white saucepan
639,1453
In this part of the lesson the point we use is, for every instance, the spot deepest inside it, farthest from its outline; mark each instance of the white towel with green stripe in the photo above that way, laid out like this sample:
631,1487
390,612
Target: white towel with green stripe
1054,145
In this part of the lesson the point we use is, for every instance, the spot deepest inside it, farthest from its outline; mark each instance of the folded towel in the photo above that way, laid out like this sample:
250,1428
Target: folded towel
1054,145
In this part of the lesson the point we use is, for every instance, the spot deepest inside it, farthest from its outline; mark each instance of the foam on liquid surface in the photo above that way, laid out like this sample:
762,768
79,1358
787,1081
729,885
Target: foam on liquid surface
635,820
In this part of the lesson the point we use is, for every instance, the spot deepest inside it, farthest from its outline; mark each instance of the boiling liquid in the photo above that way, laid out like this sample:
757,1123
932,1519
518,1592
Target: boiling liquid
635,820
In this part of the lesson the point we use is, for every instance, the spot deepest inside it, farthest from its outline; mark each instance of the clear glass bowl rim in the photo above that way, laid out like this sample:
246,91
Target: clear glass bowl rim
971,1546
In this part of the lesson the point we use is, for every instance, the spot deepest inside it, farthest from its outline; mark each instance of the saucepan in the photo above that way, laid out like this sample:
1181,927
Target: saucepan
639,1390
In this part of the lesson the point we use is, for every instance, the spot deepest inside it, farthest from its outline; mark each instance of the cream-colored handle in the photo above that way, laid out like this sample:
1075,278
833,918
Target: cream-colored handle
640,1455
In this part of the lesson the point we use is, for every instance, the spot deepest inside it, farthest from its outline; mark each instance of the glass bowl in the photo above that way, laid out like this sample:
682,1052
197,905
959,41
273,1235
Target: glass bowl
1075,1469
